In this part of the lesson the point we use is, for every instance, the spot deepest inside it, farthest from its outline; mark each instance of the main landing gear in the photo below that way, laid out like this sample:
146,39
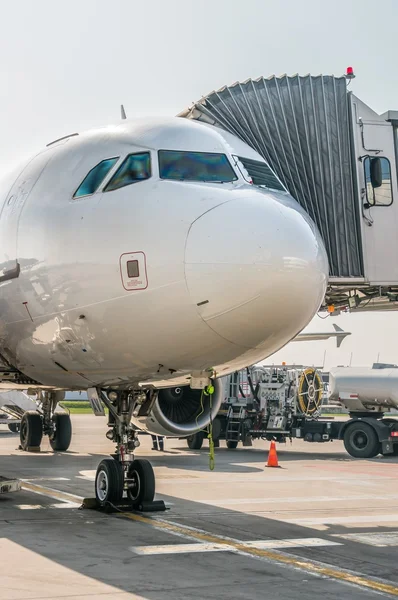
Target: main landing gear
57,426
122,472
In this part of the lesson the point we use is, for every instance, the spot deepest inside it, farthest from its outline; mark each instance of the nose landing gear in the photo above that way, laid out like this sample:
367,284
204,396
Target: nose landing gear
123,473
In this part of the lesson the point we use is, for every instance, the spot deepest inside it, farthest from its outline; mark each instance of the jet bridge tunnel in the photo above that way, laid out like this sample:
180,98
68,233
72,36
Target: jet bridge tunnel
337,158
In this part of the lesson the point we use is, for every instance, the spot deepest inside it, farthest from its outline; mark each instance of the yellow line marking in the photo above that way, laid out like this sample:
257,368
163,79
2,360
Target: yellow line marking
306,565
51,493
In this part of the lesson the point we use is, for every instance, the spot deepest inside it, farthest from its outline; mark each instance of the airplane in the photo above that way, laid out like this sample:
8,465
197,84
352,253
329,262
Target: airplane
339,334
141,262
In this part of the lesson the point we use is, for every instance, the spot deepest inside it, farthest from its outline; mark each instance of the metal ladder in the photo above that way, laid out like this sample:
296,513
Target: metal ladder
234,425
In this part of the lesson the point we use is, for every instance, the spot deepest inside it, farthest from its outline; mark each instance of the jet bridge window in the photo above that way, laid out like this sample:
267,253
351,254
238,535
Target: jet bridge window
195,166
135,168
95,177
259,173
378,180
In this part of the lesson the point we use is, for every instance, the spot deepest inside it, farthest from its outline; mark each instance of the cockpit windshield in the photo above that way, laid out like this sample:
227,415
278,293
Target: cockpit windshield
136,167
95,177
260,173
195,166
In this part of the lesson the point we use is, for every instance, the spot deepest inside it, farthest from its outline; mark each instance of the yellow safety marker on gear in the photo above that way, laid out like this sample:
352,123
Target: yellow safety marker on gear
208,391
306,565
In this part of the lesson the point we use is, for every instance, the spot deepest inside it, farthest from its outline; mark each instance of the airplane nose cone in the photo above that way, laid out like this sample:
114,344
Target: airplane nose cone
257,270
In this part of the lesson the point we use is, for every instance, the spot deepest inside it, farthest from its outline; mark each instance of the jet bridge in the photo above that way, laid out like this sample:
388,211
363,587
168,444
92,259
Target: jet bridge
337,158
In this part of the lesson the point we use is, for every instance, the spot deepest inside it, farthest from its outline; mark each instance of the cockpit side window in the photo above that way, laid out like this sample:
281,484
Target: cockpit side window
135,168
95,177
260,174
195,166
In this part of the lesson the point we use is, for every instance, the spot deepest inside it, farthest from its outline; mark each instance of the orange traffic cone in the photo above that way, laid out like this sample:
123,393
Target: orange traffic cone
272,456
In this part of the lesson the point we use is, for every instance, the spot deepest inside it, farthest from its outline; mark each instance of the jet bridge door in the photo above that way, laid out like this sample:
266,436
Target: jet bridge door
375,147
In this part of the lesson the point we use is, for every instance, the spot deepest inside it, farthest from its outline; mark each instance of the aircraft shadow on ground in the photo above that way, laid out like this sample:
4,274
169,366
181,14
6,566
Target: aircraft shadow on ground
97,546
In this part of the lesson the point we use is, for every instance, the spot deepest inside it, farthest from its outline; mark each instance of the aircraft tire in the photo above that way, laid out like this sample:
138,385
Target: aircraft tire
109,482
195,441
141,485
61,438
31,431
361,441
232,445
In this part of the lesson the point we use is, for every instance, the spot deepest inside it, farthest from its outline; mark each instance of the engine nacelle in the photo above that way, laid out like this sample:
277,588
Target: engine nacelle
181,411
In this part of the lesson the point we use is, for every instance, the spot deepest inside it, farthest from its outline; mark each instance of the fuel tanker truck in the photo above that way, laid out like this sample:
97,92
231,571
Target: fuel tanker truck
281,403
369,394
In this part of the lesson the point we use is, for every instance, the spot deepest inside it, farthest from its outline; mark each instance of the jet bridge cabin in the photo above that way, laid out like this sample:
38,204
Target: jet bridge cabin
338,159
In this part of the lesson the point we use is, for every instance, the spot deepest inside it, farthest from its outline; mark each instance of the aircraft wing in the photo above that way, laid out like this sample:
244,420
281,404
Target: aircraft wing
338,333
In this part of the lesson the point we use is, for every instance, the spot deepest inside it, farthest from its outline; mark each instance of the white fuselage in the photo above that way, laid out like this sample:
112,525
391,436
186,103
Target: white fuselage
228,273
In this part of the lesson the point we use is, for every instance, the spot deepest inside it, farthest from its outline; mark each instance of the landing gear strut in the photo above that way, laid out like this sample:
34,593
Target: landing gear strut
36,423
122,473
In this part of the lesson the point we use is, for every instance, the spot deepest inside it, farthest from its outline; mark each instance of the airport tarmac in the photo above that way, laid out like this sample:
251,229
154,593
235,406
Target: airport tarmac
324,524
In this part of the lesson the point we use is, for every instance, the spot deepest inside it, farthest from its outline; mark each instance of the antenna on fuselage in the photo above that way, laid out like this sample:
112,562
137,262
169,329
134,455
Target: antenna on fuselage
123,112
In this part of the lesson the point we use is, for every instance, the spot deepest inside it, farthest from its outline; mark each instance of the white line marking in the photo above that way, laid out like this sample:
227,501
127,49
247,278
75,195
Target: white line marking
348,479
41,506
66,505
295,499
340,520
47,479
90,475
387,538
180,548
51,493
205,547
291,543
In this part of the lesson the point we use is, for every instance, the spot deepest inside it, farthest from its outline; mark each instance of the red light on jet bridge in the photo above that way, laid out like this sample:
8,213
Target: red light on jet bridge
350,73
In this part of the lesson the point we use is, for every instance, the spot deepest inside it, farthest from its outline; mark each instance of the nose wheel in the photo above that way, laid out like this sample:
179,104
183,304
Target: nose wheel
140,482
123,473
109,482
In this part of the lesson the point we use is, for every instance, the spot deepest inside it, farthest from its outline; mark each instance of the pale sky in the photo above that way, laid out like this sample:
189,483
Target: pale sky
66,66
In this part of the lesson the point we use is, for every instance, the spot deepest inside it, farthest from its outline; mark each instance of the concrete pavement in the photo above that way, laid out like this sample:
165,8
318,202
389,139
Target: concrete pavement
324,524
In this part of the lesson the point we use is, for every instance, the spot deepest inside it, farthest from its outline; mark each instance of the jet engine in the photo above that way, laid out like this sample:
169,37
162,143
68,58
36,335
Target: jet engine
181,411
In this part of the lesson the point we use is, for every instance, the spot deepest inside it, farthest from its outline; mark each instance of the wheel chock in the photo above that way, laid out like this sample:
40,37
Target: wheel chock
123,506
32,449
90,503
154,506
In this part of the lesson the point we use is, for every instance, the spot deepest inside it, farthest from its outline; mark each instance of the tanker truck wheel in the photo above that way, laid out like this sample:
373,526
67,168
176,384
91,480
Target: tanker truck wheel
195,441
232,444
361,441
